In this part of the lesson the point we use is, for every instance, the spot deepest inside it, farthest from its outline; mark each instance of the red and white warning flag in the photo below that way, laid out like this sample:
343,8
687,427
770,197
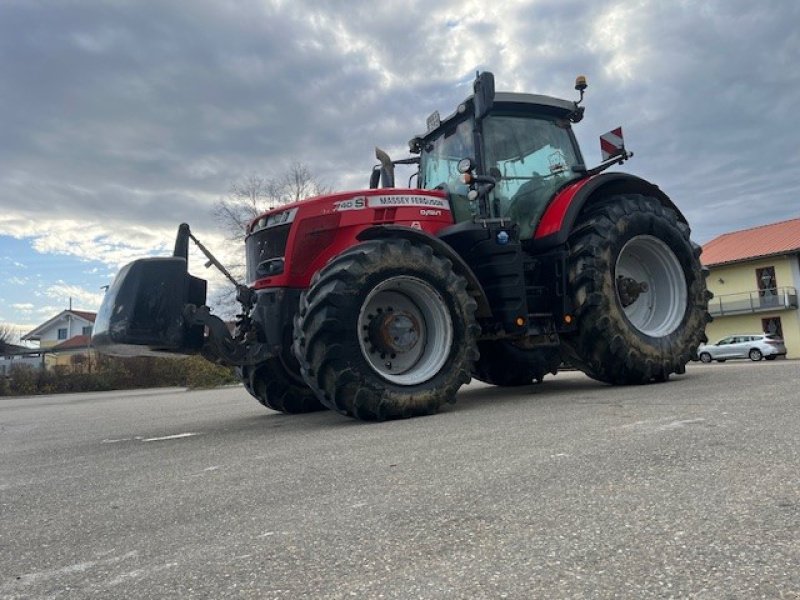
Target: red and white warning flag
612,144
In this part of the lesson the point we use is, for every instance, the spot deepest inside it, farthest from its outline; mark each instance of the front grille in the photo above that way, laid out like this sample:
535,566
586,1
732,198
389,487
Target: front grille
265,244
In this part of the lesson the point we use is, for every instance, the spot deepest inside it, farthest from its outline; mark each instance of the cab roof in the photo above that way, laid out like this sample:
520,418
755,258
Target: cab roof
506,101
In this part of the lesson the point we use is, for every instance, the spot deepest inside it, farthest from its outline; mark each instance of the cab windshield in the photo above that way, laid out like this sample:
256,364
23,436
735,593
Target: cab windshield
531,158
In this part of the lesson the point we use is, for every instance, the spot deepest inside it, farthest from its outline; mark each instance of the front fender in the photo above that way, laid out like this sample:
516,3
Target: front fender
474,286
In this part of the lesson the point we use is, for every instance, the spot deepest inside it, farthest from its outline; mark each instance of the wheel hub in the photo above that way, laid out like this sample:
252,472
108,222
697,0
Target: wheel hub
405,330
630,289
394,332
651,285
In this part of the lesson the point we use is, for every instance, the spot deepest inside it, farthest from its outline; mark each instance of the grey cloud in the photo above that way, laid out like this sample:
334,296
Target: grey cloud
144,112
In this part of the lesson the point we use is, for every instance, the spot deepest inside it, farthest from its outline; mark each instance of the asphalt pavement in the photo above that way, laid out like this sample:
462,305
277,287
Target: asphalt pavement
567,489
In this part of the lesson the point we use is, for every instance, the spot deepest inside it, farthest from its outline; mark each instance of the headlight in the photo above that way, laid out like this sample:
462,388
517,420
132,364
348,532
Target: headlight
464,165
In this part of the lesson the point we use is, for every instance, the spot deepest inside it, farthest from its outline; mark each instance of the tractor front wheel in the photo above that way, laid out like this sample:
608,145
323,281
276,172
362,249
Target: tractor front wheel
386,330
638,292
276,383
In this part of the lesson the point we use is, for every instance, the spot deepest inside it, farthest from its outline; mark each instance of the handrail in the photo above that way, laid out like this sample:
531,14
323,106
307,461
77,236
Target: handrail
768,299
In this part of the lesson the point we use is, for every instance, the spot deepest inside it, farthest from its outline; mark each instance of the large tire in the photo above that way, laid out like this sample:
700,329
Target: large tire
277,384
386,330
505,364
629,333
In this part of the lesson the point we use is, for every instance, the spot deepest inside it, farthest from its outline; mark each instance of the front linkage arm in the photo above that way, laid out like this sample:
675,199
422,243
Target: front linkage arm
220,346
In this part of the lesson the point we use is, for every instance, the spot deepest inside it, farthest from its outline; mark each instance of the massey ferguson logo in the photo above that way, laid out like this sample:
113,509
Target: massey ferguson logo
435,205
403,200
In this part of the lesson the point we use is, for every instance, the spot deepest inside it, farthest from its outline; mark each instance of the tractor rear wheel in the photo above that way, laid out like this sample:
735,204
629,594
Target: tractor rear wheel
276,383
505,364
638,292
386,330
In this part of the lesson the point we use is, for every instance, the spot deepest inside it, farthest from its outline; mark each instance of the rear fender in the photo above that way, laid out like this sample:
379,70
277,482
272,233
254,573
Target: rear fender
559,218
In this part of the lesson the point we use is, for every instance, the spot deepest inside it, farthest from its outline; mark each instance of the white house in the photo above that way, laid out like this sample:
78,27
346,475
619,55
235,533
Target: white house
64,326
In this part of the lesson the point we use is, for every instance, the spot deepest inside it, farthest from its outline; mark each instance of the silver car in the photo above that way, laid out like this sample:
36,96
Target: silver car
753,346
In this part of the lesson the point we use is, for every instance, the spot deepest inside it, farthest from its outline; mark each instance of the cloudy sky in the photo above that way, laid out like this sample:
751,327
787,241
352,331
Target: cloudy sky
119,119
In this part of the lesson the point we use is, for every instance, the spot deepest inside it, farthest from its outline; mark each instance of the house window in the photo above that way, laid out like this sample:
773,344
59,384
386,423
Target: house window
62,333
767,286
87,330
773,326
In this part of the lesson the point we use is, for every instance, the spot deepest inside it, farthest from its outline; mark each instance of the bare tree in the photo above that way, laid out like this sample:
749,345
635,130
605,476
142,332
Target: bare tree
250,197
297,183
6,335
254,194
245,201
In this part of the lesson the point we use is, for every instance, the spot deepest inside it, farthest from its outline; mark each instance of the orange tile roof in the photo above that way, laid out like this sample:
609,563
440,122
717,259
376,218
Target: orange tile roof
767,240
85,314
78,341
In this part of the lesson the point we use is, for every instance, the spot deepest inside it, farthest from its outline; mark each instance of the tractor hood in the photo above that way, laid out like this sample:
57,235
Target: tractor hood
287,245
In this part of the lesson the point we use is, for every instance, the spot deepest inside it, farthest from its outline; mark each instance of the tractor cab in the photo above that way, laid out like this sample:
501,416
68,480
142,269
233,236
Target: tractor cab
520,147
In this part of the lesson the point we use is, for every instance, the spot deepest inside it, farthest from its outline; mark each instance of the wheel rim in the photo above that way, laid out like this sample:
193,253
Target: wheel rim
706,358
755,354
651,286
405,330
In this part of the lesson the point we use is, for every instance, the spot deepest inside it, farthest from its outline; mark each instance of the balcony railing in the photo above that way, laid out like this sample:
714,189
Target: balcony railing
771,299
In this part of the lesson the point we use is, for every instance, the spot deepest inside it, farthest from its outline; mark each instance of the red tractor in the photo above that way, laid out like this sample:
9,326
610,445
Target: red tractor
509,257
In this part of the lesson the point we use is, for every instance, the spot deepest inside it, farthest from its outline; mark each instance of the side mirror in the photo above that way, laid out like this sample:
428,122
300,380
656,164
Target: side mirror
484,93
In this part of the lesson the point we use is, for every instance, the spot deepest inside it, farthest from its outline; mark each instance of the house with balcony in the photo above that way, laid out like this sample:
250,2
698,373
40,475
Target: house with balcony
755,275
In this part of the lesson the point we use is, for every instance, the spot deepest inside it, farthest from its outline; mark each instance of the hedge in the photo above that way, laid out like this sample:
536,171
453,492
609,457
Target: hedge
112,373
